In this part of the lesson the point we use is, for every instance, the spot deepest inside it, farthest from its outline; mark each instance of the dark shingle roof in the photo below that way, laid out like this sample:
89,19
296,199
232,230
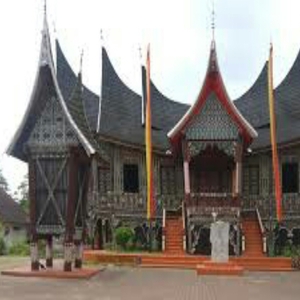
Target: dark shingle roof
254,103
67,80
77,110
10,211
254,106
121,108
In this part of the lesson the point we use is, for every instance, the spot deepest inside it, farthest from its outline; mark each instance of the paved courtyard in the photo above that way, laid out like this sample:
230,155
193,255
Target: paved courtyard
115,283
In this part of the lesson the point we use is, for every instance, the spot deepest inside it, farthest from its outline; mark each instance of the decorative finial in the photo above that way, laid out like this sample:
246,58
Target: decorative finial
101,35
81,60
140,53
213,22
54,28
45,7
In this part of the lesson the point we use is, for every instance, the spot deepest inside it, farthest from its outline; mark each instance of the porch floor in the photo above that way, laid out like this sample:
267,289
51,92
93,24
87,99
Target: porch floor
55,272
185,261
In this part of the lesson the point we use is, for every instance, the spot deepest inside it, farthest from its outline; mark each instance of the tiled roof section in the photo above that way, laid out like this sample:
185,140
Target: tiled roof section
10,211
121,110
67,80
121,107
43,90
287,94
254,103
287,131
77,110
254,106
165,112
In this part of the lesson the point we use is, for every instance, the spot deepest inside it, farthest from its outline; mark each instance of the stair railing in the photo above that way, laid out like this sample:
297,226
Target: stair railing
243,243
183,226
262,230
163,238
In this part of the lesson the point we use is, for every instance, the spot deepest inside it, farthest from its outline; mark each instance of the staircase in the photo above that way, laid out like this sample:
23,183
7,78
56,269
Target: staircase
174,235
253,236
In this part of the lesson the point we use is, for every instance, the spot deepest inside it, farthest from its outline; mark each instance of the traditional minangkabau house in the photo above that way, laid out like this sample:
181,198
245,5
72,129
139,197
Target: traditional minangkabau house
86,158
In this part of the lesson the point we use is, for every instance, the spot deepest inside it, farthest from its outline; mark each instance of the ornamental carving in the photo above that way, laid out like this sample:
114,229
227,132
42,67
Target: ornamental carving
52,127
213,123
196,147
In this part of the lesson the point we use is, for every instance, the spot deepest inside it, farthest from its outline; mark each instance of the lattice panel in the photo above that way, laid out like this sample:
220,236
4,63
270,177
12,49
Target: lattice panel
213,123
168,180
105,180
251,180
197,147
51,191
52,127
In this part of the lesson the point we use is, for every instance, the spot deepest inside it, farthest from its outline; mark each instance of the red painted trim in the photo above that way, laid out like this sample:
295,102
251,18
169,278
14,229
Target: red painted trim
213,83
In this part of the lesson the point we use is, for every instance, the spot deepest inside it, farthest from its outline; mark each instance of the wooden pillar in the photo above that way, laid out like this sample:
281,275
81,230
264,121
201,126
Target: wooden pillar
238,169
186,171
95,179
99,229
72,195
78,254
34,255
233,181
49,251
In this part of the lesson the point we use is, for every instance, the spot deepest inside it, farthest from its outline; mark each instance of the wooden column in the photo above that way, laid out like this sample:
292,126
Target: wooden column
34,255
49,251
78,254
238,168
95,179
186,171
99,229
72,195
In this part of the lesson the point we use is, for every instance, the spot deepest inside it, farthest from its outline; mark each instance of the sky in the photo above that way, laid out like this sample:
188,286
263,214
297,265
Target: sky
179,32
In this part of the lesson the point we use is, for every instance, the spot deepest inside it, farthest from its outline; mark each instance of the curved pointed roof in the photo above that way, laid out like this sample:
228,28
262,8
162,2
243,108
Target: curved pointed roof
254,103
46,80
121,108
287,93
213,83
67,80
254,106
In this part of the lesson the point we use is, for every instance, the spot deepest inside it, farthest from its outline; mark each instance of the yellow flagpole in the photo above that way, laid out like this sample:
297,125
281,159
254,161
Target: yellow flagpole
277,183
148,143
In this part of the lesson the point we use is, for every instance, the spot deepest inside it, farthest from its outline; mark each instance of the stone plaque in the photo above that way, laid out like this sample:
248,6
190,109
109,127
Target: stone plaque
219,238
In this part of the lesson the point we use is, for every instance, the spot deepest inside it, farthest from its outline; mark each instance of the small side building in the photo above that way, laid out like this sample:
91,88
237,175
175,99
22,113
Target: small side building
14,221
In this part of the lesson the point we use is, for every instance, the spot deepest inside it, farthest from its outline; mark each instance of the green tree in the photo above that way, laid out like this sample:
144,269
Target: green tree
3,182
22,194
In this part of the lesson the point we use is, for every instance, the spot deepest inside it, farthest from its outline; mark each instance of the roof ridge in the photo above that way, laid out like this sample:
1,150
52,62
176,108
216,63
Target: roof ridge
264,71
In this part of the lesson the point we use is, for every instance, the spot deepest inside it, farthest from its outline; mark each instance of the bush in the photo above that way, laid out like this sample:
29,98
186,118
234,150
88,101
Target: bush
19,249
123,236
2,246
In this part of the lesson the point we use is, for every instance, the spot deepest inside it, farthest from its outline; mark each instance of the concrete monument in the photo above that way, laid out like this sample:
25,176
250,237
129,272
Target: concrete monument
219,238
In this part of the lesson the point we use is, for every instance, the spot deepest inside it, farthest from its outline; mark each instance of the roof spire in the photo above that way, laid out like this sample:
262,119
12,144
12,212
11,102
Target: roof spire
213,26
45,8
140,54
101,78
213,20
81,61
101,36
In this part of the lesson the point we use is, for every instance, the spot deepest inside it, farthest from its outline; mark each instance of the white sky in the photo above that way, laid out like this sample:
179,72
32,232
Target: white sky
179,33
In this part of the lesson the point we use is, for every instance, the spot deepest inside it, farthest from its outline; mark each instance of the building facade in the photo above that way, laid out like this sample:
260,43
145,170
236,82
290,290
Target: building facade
211,160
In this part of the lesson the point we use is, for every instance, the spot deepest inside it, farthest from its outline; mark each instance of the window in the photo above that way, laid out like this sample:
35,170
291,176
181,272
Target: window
131,178
290,178
251,180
